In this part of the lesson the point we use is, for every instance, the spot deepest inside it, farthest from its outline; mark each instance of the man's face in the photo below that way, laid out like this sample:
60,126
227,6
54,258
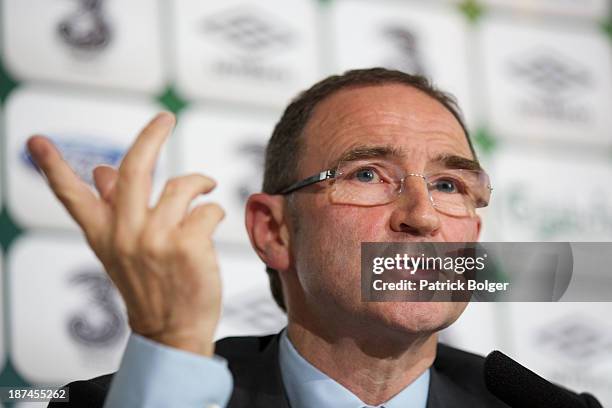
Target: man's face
326,242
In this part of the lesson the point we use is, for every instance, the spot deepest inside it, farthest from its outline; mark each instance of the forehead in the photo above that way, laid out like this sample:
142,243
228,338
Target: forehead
391,115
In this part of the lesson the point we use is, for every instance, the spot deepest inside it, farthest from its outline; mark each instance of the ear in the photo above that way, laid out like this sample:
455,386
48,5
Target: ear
266,225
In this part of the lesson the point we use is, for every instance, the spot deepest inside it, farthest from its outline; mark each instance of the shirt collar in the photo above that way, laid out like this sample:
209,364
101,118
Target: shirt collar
307,386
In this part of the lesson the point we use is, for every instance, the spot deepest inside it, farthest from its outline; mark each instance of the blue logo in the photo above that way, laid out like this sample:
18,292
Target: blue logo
83,154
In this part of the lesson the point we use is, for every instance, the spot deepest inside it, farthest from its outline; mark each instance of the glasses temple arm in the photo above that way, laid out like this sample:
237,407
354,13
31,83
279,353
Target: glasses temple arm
324,175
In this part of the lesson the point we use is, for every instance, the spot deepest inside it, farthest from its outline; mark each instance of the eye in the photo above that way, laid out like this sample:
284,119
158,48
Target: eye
447,186
366,175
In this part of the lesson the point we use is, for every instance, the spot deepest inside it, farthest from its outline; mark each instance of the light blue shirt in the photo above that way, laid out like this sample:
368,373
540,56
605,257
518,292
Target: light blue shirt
308,387
154,375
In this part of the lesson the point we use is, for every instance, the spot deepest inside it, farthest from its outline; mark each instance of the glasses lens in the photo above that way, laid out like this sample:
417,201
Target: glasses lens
366,182
459,192
455,192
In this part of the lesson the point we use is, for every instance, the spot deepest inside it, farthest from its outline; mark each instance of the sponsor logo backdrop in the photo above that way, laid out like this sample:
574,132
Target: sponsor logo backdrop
534,79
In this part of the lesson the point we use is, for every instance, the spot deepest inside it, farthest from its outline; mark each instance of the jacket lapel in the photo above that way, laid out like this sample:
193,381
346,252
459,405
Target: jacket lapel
259,382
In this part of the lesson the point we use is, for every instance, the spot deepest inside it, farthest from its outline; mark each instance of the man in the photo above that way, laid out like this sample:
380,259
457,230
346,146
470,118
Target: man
355,133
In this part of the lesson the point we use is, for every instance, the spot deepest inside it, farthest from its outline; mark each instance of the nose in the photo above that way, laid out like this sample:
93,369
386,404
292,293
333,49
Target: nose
414,213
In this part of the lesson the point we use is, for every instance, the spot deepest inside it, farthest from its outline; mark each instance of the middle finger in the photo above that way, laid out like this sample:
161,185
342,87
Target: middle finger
134,183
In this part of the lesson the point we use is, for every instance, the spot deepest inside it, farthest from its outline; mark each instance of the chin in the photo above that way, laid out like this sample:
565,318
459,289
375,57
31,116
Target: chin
415,317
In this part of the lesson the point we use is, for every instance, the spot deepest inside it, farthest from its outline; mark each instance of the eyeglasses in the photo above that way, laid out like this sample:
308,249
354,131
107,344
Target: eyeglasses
456,192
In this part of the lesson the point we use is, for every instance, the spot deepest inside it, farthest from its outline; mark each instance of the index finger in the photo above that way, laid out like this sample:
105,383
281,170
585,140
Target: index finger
134,183
74,194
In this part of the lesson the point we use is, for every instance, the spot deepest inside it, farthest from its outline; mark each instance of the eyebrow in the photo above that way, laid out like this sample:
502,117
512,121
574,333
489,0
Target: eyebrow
453,161
450,161
370,152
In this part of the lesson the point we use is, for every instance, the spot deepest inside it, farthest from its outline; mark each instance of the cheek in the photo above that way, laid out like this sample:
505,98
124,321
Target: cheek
343,229
360,224
327,251
459,229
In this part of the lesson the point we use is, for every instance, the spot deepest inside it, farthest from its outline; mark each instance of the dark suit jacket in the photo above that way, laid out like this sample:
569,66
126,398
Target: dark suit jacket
456,378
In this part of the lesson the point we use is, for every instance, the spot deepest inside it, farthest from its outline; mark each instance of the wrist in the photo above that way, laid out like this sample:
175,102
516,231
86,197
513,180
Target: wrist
186,342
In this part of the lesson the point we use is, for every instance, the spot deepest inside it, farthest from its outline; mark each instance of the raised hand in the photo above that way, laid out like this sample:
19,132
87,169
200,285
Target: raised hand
161,259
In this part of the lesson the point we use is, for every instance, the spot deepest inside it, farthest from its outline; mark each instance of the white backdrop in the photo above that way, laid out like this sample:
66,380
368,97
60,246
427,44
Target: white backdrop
533,77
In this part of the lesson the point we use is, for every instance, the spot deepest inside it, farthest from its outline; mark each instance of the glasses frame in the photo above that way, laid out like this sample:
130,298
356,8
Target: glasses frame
308,181
333,173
